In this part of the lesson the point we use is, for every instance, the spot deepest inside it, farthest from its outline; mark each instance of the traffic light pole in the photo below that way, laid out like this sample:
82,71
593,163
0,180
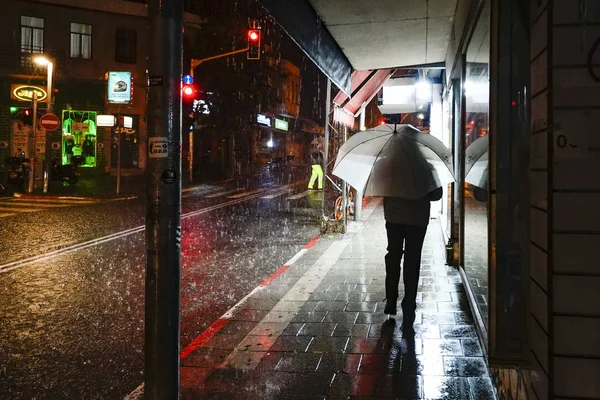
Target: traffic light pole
163,200
195,62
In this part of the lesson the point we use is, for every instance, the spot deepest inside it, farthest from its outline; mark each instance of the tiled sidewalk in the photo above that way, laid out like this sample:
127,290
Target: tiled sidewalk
318,331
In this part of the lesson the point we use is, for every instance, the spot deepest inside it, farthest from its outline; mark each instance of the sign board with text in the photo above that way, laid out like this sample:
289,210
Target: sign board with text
158,147
281,124
25,92
105,120
120,88
263,120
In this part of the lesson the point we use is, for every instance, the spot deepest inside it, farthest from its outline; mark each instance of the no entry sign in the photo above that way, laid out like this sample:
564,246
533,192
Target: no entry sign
49,122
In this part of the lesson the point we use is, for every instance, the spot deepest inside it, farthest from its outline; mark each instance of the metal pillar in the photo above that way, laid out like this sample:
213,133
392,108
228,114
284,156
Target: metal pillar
326,146
118,131
163,200
31,146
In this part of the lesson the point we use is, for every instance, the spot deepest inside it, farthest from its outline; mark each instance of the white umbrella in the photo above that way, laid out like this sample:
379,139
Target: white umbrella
397,161
476,162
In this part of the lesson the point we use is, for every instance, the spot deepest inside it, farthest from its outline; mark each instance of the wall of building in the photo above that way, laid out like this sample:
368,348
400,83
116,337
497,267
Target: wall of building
565,238
81,83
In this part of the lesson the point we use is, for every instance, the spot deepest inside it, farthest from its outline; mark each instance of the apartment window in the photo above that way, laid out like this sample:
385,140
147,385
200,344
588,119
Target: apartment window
126,46
81,41
32,34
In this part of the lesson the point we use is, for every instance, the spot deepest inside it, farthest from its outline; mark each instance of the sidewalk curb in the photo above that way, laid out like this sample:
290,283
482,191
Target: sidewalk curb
220,322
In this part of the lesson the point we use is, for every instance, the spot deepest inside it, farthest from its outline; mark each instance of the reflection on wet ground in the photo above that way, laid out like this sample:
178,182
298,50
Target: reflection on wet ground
318,331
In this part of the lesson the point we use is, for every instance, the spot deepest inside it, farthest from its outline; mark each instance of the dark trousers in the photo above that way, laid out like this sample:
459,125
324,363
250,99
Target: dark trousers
404,240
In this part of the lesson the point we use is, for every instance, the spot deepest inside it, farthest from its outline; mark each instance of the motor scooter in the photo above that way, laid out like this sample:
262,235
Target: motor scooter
17,166
67,172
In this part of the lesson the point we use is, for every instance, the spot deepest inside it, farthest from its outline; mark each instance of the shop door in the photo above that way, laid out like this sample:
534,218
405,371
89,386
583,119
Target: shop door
130,145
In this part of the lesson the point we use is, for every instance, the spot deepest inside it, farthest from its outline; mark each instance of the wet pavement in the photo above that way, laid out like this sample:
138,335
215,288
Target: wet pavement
80,314
318,331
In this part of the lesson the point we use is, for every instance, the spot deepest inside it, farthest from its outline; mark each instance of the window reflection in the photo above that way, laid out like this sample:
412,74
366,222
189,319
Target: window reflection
476,162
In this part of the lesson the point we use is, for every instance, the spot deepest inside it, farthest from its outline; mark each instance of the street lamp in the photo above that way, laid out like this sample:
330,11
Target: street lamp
44,61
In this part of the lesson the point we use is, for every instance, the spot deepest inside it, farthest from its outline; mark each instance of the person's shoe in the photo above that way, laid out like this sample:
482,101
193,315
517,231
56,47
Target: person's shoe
390,307
408,320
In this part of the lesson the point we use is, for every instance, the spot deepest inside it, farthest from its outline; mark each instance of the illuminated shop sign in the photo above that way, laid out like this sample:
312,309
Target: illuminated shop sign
105,120
25,92
281,124
263,120
119,87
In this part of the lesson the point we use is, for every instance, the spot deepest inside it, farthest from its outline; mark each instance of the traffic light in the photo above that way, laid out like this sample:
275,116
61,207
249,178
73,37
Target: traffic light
26,116
188,91
253,44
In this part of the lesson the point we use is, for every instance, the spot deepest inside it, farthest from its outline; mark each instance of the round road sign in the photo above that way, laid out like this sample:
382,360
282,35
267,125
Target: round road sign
49,122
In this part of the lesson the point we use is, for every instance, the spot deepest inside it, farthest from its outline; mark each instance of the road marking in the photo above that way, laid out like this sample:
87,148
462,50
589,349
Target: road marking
31,203
215,327
94,242
48,201
20,209
5,215
276,194
238,196
298,196
219,194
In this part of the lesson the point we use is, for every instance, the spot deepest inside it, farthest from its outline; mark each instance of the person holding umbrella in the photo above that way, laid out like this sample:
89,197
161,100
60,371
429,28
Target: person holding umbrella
406,223
407,168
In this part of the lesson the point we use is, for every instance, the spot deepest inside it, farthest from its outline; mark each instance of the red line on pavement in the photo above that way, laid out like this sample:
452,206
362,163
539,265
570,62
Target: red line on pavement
312,242
274,275
203,337
218,324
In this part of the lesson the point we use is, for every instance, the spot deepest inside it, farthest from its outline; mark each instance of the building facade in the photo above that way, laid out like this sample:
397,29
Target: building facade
97,51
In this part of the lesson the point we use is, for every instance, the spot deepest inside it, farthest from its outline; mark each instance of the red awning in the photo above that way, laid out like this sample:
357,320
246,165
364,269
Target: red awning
365,85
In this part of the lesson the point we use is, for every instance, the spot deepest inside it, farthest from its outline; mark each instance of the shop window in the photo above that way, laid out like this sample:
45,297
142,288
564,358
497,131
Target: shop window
126,46
477,93
32,34
81,41
79,137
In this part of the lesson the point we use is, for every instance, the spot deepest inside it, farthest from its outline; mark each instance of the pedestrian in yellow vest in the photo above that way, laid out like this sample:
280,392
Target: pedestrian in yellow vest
317,171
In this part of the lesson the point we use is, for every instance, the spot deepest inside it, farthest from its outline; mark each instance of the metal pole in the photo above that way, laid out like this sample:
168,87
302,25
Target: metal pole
49,109
32,145
326,146
345,193
118,131
163,200
191,166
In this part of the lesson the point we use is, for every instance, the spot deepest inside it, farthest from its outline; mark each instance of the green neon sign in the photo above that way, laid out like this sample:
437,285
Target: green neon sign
281,124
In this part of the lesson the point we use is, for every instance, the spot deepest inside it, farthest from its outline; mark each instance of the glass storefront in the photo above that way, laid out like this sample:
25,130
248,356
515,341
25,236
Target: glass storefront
477,95
79,135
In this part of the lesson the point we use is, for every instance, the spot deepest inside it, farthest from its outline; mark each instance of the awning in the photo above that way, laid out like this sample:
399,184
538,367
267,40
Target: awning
300,21
365,85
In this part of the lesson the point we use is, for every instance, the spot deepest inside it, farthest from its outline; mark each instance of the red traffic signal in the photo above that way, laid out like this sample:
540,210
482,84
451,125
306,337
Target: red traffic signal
188,90
253,44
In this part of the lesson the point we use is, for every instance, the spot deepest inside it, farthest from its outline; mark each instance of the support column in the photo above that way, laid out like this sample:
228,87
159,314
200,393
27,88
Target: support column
326,146
163,200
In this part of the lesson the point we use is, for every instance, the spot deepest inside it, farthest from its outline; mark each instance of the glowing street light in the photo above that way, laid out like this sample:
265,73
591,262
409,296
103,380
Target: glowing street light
44,61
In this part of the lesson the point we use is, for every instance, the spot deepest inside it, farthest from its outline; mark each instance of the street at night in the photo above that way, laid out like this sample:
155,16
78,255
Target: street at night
299,199
73,323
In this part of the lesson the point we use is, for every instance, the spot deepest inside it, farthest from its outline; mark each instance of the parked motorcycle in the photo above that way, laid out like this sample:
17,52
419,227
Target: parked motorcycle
67,172
17,167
